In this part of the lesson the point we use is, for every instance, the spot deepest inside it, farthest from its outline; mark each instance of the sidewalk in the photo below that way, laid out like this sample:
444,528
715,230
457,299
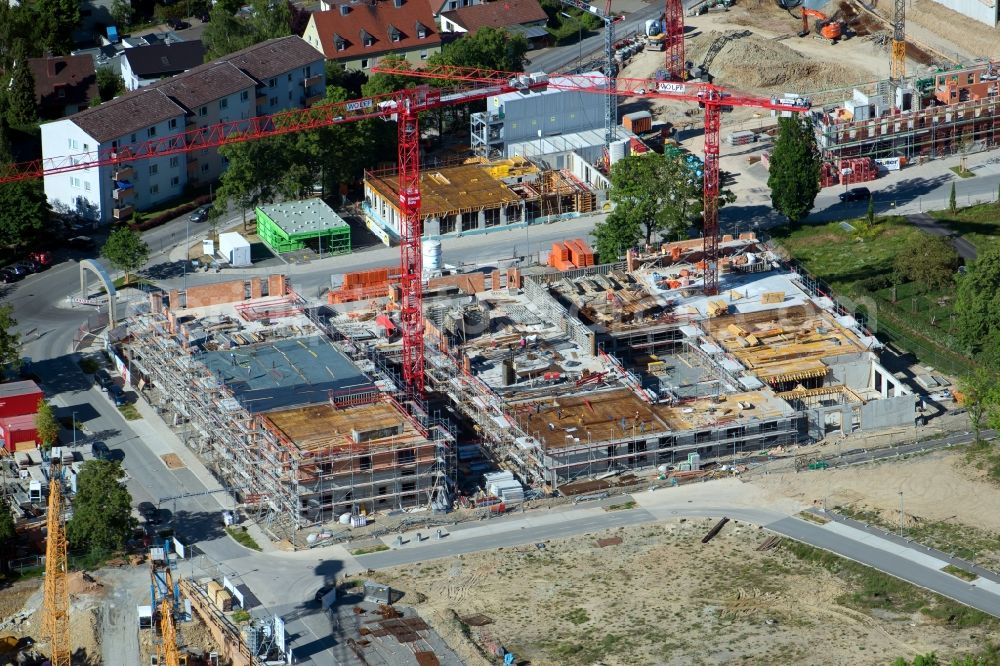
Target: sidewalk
161,440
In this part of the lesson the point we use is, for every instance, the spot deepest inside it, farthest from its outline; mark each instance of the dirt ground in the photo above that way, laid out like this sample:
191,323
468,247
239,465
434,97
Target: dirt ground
660,596
975,39
193,637
942,488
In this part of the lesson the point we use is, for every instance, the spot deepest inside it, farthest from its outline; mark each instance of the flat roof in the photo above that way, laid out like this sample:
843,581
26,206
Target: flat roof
11,389
448,190
321,427
584,81
302,217
610,415
284,373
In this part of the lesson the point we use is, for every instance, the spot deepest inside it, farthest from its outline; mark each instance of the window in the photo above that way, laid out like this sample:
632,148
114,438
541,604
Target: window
73,145
271,83
151,132
86,147
204,168
247,290
175,181
408,486
273,101
421,32
365,463
406,457
203,111
307,71
223,103
245,95
492,216
86,186
74,181
453,5
153,168
341,45
173,123
289,95
154,189
133,139
173,162
264,288
289,77
62,92
365,63
423,55
470,221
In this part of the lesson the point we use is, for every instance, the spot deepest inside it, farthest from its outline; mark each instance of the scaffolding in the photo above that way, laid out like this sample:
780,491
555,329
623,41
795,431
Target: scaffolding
289,487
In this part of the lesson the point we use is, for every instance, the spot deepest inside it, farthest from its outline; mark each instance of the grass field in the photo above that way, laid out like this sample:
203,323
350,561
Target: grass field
855,261
979,224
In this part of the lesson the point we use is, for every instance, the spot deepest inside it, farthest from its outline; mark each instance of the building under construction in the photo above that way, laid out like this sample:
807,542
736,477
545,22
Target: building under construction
956,111
595,370
289,420
476,197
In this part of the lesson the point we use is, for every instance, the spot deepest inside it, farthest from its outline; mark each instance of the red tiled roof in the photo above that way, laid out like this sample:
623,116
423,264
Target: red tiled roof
74,75
497,14
377,20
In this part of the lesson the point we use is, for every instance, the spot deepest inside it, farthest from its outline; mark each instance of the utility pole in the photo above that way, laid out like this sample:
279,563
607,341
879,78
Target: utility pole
901,514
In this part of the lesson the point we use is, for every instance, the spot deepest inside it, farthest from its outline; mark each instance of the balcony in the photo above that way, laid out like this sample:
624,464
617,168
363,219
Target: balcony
262,99
124,172
123,193
313,100
312,81
123,213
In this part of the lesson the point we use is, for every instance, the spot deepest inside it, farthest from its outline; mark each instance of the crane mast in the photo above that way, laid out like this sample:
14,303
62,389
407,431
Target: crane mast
673,35
55,620
897,65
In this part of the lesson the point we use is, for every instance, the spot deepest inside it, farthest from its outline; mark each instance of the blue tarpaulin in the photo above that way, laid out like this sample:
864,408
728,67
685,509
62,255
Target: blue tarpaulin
112,34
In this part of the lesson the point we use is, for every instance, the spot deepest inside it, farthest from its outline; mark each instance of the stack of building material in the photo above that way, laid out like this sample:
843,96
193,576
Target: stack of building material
363,285
580,253
504,486
741,138
219,596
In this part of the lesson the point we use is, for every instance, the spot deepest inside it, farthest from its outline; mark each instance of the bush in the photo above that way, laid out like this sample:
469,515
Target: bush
875,283
166,216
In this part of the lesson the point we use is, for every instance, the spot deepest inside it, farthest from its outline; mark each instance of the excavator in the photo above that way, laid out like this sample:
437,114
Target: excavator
826,27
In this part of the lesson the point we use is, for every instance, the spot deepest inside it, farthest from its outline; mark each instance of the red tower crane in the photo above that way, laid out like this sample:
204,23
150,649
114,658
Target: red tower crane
402,106
673,37
714,99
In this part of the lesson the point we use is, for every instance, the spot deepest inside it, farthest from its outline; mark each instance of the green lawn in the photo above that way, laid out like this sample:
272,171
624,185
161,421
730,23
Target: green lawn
857,262
979,224
242,537
842,258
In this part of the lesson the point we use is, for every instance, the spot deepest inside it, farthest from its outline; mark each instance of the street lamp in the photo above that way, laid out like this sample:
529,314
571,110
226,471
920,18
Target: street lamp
74,430
579,38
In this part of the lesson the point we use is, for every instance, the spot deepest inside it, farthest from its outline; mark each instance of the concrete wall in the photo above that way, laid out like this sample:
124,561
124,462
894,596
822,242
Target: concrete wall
984,11
890,412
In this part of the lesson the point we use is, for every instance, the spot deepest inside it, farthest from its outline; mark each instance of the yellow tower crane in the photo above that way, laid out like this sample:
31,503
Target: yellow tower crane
168,632
55,620
897,65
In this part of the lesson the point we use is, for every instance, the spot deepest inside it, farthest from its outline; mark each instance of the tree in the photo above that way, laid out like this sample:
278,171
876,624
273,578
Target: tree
102,509
929,261
978,391
489,48
227,32
338,76
55,22
24,208
977,308
21,109
795,167
109,83
870,215
952,203
653,194
126,250
121,13
10,339
46,424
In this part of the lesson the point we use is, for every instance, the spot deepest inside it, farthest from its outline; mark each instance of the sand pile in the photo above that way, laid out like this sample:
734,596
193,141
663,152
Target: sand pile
81,582
757,63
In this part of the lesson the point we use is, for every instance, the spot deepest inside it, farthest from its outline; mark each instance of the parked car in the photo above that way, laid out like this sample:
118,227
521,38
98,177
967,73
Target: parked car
118,396
104,379
9,275
43,258
856,194
80,242
100,450
19,269
200,214
178,24
29,266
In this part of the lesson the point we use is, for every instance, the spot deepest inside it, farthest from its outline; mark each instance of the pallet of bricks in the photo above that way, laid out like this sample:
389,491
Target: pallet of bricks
850,171
567,255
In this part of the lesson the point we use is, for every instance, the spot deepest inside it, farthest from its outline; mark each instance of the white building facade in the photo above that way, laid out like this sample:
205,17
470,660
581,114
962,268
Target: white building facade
275,75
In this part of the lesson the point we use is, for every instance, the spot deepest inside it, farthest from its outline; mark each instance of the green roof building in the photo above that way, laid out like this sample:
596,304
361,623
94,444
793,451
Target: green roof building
297,225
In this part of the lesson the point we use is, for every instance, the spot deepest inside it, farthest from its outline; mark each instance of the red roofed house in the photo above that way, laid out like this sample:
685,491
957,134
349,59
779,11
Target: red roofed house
524,16
63,85
357,34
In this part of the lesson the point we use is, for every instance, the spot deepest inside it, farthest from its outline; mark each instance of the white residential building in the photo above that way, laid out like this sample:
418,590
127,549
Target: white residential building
275,75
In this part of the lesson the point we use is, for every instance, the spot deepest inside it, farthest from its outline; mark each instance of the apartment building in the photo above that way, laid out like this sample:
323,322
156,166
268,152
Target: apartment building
271,76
